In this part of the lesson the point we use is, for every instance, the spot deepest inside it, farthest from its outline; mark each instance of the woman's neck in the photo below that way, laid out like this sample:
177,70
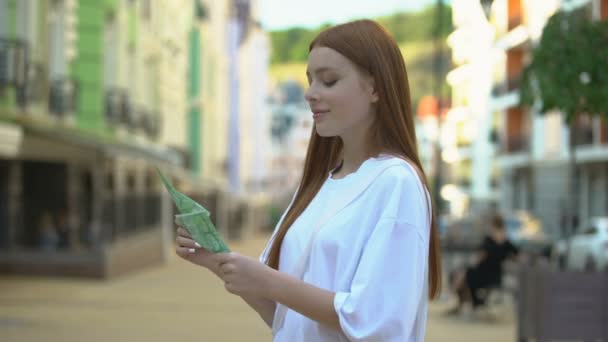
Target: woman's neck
354,153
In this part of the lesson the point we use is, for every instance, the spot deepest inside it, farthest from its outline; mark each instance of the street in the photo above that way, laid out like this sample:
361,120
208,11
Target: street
176,301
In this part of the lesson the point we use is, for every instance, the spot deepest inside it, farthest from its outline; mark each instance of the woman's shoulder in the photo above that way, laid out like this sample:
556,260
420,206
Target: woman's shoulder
401,193
399,171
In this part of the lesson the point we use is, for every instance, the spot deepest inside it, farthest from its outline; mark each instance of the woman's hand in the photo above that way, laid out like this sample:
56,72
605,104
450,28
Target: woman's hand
190,250
243,275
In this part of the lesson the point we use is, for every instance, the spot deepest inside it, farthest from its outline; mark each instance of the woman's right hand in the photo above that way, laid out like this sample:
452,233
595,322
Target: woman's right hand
189,250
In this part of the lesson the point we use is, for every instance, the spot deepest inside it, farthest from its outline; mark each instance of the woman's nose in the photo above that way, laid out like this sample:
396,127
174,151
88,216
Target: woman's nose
311,94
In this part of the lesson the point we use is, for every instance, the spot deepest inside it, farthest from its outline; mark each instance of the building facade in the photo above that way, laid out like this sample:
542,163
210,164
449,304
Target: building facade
94,96
532,148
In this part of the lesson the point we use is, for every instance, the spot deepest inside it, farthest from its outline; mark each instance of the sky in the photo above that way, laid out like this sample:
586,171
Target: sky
280,14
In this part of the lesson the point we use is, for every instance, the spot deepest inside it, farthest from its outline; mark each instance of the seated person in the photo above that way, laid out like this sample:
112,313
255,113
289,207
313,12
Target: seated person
487,271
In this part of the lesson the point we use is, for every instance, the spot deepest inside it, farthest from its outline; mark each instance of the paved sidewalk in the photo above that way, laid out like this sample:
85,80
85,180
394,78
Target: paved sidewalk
175,302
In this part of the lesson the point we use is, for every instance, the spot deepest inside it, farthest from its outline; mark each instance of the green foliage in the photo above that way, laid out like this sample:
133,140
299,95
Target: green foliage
420,60
569,67
415,33
291,45
418,26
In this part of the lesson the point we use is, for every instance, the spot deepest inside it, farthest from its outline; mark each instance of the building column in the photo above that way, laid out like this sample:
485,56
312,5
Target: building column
15,202
140,192
118,197
583,192
74,189
95,228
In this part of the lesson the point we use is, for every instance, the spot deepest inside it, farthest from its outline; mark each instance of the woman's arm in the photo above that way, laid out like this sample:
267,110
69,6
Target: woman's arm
381,303
264,307
189,250
262,286
309,300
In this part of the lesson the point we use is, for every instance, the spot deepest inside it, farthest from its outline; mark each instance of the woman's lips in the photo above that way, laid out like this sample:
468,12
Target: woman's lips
319,114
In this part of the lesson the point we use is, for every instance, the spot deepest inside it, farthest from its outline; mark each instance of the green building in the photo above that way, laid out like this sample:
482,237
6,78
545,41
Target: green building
81,132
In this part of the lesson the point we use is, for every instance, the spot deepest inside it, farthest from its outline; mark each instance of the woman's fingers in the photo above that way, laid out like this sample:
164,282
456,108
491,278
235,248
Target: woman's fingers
186,242
182,232
185,252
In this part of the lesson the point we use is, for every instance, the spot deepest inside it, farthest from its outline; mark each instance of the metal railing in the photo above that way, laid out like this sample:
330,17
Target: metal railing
516,143
13,62
118,108
63,96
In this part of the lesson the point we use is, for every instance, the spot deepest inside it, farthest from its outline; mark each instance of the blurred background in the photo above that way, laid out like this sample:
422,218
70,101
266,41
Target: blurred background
97,94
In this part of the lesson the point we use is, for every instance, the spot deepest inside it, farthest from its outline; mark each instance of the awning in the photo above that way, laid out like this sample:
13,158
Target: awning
49,141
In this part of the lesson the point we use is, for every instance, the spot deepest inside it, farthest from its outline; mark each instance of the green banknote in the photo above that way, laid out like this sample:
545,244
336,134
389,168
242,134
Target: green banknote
195,218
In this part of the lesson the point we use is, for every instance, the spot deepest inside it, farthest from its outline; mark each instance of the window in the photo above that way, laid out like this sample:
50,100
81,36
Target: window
110,49
146,10
4,21
58,64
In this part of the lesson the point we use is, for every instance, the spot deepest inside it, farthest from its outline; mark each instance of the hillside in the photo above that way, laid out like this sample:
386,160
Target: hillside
413,31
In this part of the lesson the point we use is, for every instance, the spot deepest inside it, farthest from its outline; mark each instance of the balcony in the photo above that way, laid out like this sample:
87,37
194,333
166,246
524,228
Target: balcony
514,13
118,108
154,127
506,86
15,70
13,62
589,131
517,136
516,143
583,135
34,89
63,97
514,21
149,122
513,83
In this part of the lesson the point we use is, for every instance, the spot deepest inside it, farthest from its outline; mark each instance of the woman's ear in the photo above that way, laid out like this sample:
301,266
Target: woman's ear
371,88
374,95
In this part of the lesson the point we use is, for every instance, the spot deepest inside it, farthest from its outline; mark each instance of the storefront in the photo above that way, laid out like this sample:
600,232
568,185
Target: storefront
73,205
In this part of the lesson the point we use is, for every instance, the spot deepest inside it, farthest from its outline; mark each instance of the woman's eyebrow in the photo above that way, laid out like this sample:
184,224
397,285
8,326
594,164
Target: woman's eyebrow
318,71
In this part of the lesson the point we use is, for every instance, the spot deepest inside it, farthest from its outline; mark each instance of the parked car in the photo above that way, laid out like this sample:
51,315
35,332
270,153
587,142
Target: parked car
588,247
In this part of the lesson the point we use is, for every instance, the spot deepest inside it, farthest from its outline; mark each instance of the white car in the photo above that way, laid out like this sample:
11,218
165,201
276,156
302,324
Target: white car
588,247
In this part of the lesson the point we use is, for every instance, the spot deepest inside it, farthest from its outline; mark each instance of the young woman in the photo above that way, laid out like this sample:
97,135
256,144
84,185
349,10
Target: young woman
355,256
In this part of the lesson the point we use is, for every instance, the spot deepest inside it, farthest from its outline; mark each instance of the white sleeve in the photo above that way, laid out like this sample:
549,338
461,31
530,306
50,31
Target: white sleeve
387,288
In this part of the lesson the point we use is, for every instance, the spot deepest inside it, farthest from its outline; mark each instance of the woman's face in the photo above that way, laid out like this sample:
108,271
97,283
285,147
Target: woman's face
341,98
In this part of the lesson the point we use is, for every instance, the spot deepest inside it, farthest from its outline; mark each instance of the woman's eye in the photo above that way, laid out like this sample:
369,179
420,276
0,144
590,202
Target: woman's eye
330,83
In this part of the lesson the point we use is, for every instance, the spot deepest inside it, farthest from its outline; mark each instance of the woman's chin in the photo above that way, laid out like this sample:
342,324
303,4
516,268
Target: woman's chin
324,132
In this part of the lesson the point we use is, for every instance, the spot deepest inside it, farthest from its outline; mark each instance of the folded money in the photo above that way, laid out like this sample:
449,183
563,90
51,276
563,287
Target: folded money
195,218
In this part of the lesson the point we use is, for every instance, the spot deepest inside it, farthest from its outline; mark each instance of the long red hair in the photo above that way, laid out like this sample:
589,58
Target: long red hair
373,50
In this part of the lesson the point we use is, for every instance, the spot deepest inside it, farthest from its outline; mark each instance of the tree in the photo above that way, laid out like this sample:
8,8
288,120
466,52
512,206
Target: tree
569,72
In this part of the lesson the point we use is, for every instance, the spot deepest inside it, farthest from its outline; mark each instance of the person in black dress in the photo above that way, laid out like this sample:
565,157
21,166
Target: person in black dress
487,271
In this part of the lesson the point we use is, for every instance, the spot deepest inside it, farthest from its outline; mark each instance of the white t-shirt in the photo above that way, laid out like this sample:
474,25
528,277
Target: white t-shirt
373,254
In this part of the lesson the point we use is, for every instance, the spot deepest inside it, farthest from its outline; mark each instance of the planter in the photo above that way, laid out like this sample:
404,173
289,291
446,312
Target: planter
562,305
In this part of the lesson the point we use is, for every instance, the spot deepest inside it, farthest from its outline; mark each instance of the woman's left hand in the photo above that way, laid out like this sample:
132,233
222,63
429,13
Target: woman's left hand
242,275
